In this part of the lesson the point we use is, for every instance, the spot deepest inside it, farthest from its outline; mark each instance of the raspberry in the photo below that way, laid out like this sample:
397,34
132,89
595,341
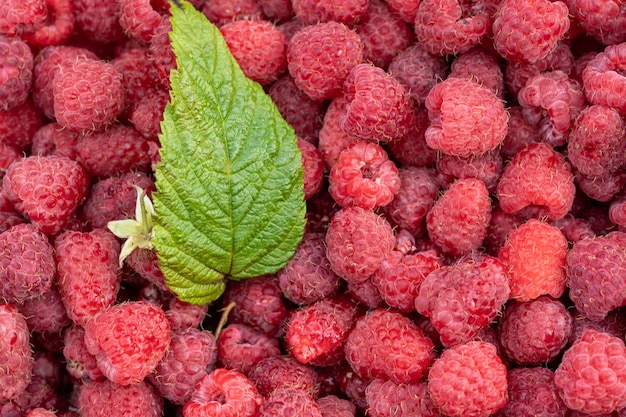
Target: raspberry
241,347
357,242
468,380
353,386
47,190
15,353
101,398
16,73
146,114
387,399
406,9
60,27
317,332
285,402
27,264
333,406
466,118
595,275
221,12
532,393
138,19
363,176
385,344
340,48
365,293
313,166
412,149
41,412
574,229
612,324
604,20
308,277
46,313
603,78
458,220
617,210
480,65
462,298
520,133
534,254
486,167
529,30
79,362
276,10
536,331
592,374
275,372
87,272
371,91
191,354
538,179
602,188
128,340
18,126
447,27
38,394
500,226
347,12
332,137
161,54
53,139
183,316
98,21
20,17
145,263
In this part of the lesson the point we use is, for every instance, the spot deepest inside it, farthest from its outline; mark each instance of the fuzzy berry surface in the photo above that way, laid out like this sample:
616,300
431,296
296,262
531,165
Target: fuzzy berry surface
98,398
283,371
532,392
15,353
241,347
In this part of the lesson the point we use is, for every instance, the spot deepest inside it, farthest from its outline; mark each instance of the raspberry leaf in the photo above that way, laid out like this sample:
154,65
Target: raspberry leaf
229,200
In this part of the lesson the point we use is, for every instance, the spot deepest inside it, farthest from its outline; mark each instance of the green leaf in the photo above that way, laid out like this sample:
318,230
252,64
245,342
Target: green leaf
230,201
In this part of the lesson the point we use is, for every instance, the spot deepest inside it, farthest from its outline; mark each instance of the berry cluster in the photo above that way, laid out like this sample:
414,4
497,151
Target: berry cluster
465,247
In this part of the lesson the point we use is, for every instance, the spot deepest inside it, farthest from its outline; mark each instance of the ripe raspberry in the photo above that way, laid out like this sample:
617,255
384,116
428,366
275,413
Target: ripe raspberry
363,176
285,402
468,380
389,399
161,54
486,167
308,277
146,114
18,126
138,19
617,210
98,21
313,166
466,118
602,188
40,412
574,229
357,242
347,12
612,324
8,219
46,313
146,263
447,27
537,180
47,190
87,272
140,75
38,394
15,353
412,149
604,20
284,371
385,344
59,28
406,9
603,78
365,293
353,386
53,139
276,10
20,17
17,72
191,354
532,393
79,363
595,273
241,347
221,12
458,220
481,65
316,333
183,316
462,298
371,91
332,138
101,398
592,374
520,133
333,406
534,254
545,21
340,48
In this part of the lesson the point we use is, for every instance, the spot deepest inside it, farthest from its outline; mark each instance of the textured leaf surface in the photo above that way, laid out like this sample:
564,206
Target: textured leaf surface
230,200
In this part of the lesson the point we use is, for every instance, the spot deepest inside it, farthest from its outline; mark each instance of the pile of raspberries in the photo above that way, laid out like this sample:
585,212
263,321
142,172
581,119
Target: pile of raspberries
465,246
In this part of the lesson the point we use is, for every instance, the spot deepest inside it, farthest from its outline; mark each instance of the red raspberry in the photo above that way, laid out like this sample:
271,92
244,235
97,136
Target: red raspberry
617,210
486,167
535,332
139,19
545,21
16,73
601,256
316,333
480,65
8,219
412,149
15,353
458,220
333,406
365,293
102,398
605,20
190,356
146,263
53,139
534,254
285,402
241,347
357,242
447,27
462,298
469,380
353,386
27,264
389,399
146,114
79,363
340,48
574,229
603,78
47,190
18,126
363,176
332,138
38,394
46,313
98,21
60,27
308,277
313,166
406,9
347,12
20,17
600,188
612,324
370,90
276,10
87,272
221,12
184,316
519,134
41,412
532,393
385,344
466,118
161,53
276,372
139,73
592,374
128,340
538,179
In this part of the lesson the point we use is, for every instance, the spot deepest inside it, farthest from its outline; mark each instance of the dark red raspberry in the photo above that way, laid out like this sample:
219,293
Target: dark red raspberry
462,298
332,138
313,166
604,19
532,393
53,139
574,229
600,188
276,372
412,149
22,17
139,74
15,353
347,12
16,72
481,65
138,19
241,347
221,12
99,398
386,344
386,398
18,126
276,10
285,402
612,324
79,362
604,79
617,210
161,53
519,134
46,313
98,21
146,263
146,114
468,380
353,386
59,27
486,167
365,293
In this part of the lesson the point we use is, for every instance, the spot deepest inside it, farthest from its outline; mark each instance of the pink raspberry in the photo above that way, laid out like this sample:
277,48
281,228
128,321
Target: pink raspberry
333,139
532,392
183,316
468,380
16,73
100,398
347,12
353,386
574,229
313,166
363,176
406,9
221,12
333,406
98,21
38,394
412,149
146,114
605,20
276,372
46,313
53,139
486,167
481,65
22,17
79,363
534,254
340,48
591,377
365,293
60,27
603,78
41,412
139,19
241,347
18,126
15,353
537,180
520,133
386,344
386,398
545,21
600,188
466,118
357,242
285,402
462,298
617,210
